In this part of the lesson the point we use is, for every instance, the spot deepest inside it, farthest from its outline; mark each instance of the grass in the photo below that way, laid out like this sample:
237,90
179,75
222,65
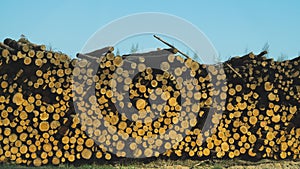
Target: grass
217,167
65,166
172,164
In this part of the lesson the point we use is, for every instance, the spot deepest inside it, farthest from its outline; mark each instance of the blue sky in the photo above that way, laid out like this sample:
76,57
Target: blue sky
233,26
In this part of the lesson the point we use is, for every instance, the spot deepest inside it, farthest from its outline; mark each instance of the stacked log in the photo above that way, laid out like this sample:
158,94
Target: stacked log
260,114
55,109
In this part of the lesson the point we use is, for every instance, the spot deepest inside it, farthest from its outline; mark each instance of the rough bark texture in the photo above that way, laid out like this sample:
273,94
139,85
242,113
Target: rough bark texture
245,108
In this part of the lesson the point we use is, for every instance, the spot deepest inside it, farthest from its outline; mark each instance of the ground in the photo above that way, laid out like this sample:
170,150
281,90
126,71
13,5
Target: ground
180,164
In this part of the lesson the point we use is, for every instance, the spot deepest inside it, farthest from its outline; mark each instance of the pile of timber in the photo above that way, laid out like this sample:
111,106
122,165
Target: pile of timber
54,109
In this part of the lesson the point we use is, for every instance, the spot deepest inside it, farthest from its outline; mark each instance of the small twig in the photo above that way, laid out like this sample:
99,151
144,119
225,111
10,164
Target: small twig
171,46
234,70
207,161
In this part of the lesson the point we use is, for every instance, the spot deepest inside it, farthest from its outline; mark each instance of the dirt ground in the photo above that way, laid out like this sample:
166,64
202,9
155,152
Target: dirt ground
177,164
218,164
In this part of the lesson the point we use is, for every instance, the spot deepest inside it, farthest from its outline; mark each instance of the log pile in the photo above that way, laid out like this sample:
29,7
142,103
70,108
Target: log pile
54,109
